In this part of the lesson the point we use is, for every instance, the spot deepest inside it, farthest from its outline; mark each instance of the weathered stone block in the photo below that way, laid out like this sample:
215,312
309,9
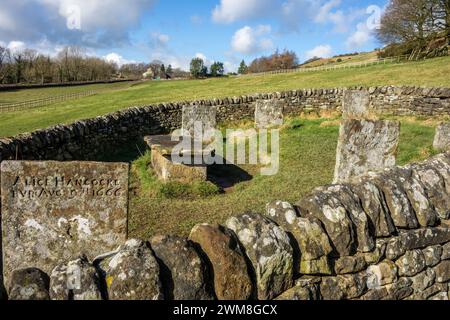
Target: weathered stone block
355,104
269,250
268,113
432,255
53,211
199,121
132,273
184,274
442,137
229,267
364,146
411,263
348,286
29,284
381,274
421,238
442,271
310,238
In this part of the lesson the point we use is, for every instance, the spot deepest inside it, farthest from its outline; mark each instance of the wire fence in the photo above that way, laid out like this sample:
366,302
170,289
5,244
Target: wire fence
362,64
30,104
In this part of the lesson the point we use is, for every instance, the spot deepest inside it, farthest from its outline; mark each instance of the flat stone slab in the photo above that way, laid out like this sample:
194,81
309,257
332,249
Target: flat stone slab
365,145
442,137
199,121
355,104
54,211
268,113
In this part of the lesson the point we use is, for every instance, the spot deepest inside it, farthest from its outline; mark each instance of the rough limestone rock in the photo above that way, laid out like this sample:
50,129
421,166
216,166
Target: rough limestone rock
442,137
29,284
425,213
355,104
309,236
377,254
269,250
374,205
132,273
400,290
333,215
432,255
76,280
423,280
421,238
381,274
446,251
348,286
395,247
400,208
442,296
306,288
350,264
365,146
443,271
183,272
352,204
436,186
199,121
411,263
229,266
268,113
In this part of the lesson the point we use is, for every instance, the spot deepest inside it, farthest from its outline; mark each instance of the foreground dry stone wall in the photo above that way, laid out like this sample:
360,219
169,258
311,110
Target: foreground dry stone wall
385,235
91,139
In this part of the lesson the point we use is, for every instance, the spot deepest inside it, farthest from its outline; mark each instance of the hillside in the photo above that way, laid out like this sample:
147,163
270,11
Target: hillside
434,72
345,59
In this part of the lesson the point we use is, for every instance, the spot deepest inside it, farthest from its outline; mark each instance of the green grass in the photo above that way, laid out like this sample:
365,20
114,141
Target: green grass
307,160
434,72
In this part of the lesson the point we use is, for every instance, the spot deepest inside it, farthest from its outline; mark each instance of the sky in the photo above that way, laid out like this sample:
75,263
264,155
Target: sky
175,31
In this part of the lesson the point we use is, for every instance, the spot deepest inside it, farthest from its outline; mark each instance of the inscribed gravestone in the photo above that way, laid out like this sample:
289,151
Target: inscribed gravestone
199,122
268,113
365,145
355,104
442,137
54,211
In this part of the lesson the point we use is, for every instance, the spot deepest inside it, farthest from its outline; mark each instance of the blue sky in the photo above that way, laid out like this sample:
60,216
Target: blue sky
174,31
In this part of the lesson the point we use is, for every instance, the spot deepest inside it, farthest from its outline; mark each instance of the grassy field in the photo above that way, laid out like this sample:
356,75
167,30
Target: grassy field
434,72
362,57
307,160
14,96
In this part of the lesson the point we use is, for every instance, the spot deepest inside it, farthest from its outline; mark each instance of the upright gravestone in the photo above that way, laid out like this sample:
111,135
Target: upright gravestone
365,145
355,104
268,113
54,211
199,122
442,137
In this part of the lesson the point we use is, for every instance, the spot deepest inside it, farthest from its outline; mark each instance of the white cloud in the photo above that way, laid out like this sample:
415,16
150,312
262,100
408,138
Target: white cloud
359,38
159,40
229,11
322,51
117,59
249,40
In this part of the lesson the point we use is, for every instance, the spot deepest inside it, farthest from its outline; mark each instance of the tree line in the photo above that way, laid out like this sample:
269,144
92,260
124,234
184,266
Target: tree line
276,61
415,27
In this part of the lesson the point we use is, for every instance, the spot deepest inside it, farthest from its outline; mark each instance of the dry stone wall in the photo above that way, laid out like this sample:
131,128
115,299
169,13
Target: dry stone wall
91,139
342,241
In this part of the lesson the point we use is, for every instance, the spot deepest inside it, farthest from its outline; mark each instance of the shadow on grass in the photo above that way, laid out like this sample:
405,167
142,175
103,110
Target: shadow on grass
126,153
227,175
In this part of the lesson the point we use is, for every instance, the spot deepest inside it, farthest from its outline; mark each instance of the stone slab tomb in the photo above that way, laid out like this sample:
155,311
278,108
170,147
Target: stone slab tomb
193,168
365,145
355,104
268,113
54,211
442,137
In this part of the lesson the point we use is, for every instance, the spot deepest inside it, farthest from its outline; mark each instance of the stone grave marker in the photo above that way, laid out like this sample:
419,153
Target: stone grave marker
54,211
365,145
442,137
268,113
355,104
199,121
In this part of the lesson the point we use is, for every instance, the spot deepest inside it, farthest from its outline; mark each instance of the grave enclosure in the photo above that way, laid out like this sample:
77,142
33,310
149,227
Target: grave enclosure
382,235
